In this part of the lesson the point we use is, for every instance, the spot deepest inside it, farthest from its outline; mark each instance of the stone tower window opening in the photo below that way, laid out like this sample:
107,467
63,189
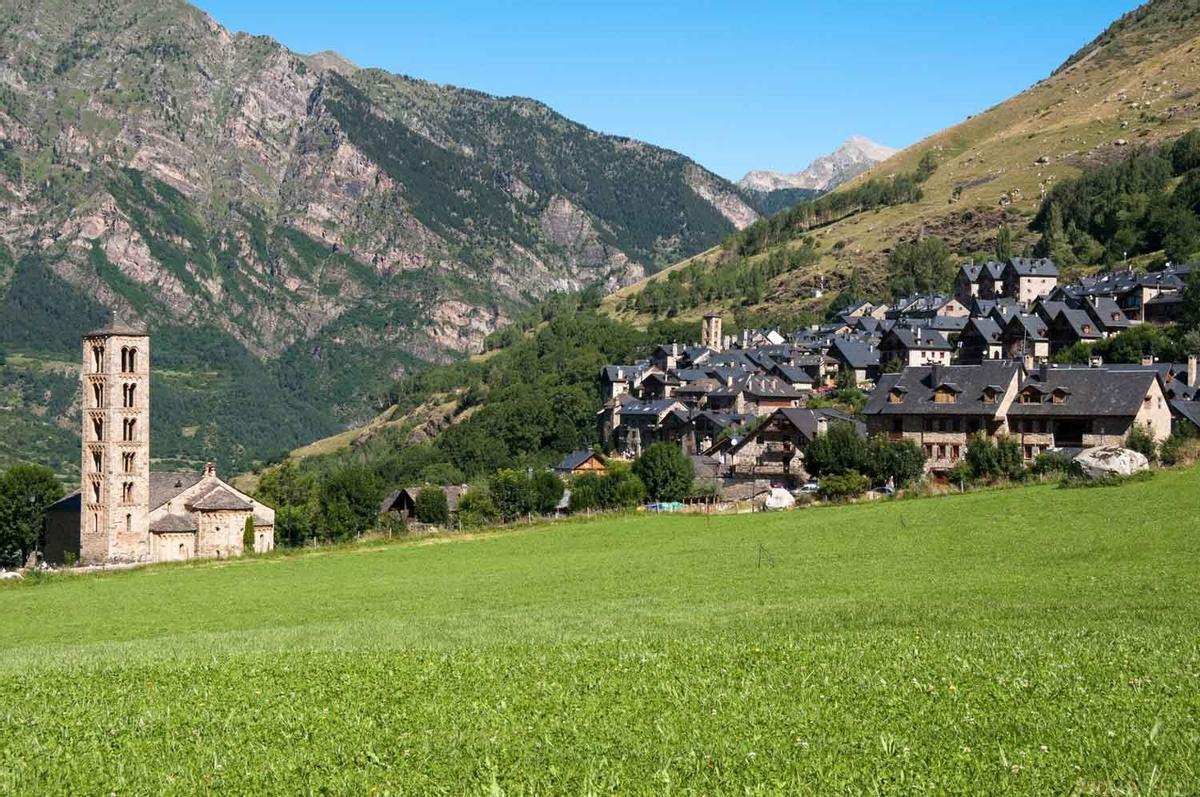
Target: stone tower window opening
98,428
129,430
97,358
127,460
98,395
127,493
128,359
128,395
96,491
97,461
128,523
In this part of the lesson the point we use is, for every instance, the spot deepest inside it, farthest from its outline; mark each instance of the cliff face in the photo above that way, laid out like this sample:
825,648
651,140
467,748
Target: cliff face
320,215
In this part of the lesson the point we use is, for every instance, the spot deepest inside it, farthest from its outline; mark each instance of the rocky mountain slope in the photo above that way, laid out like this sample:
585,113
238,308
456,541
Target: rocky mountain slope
1136,84
852,158
323,226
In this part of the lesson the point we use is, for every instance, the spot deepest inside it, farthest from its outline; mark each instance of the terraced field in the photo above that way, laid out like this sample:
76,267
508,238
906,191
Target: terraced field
1029,641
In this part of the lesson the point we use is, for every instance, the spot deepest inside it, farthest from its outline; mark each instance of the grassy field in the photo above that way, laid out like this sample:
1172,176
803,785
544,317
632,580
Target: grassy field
1036,641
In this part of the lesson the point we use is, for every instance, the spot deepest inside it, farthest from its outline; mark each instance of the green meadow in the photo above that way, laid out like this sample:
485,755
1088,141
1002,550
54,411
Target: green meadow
1026,641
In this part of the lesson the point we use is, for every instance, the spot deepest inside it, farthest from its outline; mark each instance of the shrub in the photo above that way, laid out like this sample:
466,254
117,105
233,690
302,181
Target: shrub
902,461
511,494
843,486
431,506
665,471
248,536
546,490
1139,440
476,507
1049,462
839,450
1182,447
585,492
993,459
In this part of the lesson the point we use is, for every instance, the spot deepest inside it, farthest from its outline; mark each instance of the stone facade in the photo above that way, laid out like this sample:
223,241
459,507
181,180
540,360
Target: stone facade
123,512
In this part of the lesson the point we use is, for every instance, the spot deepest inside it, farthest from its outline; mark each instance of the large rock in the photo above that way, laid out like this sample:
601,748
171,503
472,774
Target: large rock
779,498
1105,461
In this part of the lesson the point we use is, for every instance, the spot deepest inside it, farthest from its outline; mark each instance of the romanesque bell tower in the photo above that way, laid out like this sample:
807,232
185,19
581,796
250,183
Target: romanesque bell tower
115,500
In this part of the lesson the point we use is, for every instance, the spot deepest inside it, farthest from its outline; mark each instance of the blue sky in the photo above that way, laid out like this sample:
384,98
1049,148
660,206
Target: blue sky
737,86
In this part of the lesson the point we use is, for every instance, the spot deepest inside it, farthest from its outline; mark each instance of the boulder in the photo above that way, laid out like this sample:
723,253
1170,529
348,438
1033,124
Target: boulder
1107,461
11,575
779,498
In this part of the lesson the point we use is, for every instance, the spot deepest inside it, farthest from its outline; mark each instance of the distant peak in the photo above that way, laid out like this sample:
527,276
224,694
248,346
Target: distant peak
855,155
329,61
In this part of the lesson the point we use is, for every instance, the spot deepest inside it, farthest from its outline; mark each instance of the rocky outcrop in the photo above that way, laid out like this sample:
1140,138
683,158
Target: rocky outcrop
852,158
1110,461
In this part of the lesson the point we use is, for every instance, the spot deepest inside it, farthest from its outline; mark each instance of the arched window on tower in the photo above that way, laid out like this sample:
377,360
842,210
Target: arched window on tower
98,428
97,358
127,493
97,461
127,460
129,429
128,395
98,395
96,491
132,363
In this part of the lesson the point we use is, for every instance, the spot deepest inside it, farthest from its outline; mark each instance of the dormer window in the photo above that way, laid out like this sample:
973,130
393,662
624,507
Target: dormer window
944,395
1031,396
1058,396
896,396
989,396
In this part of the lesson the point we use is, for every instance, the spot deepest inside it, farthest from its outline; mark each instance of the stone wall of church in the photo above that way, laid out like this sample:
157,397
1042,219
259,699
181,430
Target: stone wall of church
220,533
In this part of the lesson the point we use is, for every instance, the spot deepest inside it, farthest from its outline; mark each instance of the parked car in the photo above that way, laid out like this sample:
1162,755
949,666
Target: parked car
810,487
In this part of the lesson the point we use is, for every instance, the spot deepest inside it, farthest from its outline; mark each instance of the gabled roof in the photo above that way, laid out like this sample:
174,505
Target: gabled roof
165,485
855,352
1079,322
919,338
1033,267
1027,325
916,386
1089,391
986,328
220,498
576,458
1188,410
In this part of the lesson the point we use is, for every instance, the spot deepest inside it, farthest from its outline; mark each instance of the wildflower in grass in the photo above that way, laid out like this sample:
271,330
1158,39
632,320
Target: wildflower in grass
1044,749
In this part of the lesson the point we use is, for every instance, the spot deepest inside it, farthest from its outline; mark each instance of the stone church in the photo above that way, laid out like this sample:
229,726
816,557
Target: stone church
124,512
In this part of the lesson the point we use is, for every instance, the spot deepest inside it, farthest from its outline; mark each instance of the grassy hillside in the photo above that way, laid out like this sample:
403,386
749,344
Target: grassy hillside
1136,85
1038,641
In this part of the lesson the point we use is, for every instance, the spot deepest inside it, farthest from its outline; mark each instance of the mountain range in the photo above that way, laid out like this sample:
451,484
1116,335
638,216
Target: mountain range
296,231
855,155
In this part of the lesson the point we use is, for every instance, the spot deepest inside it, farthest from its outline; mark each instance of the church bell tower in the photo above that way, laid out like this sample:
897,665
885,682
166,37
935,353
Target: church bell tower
115,476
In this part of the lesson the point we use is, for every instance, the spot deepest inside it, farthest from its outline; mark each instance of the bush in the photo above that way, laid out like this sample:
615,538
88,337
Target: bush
1182,447
1049,462
431,506
839,450
546,490
843,486
665,471
476,507
901,461
511,494
1139,440
585,492
993,459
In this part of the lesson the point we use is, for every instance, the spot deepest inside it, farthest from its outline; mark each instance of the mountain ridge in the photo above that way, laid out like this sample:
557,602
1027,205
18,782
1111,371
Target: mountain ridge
852,157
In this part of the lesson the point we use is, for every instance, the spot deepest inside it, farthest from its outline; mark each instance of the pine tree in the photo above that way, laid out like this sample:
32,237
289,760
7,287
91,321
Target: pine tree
1004,244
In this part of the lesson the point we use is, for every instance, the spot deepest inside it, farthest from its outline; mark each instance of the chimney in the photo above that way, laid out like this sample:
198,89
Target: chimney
935,374
1095,361
1027,361
1044,371
1147,359
210,469
822,425
1191,372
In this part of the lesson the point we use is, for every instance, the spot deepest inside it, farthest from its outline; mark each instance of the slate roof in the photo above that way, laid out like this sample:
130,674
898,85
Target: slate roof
1033,267
1090,391
68,503
220,498
921,338
118,327
855,353
1035,327
917,385
1107,313
1189,410
653,408
987,328
576,458
1080,322
173,524
165,485
793,374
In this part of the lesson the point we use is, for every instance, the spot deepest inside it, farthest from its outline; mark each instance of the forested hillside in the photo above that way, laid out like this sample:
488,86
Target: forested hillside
297,232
